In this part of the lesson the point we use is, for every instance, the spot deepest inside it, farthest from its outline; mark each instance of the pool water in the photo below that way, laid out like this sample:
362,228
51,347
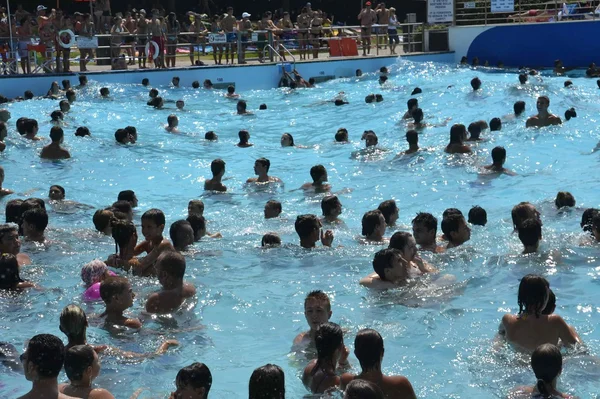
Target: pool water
249,303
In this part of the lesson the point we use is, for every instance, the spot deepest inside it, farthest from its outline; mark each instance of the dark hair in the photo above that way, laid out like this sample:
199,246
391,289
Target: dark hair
28,95
56,134
475,83
495,124
412,137
417,90
427,219
155,215
328,339
568,83
36,217
196,375
111,286
122,232
175,264
77,360
417,115
104,91
413,102
370,98
370,220
83,78
383,260
457,133
244,136
230,89
317,171
478,216
328,203
262,107
474,130
379,97
63,104
306,224
82,131
498,155
341,135
451,224
153,93
270,239
122,206
47,353
387,208
217,166
399,240
126,195
70,94
172,119
210,135
533,292
267,382
451,211
31,203
570,113
242,104
198,222
197,202
519,107
523,78
551,305
368,348
264,162
29,125
546,362
564,198
275,204
586,218
207,82
121,135
20,125
9,272
530,232
102,219
521,212
320,296
291,138
175,228
362,389
13,211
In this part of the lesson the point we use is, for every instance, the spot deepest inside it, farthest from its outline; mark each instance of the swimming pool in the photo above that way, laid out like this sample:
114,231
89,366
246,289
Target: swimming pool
250,301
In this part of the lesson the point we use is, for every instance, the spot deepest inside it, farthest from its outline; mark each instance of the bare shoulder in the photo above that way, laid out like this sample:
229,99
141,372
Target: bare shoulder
100,393
152,304
133,323
189,290
345,379
299,338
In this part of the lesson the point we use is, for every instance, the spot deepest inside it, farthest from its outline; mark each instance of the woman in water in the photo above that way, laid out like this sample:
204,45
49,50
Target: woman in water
267,382
125,236
9,274
82,367
320,374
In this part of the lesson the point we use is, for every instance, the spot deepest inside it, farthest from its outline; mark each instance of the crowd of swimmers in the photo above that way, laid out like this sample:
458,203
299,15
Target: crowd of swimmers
535,329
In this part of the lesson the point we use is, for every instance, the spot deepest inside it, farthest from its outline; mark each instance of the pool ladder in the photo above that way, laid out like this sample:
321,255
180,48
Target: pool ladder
281,59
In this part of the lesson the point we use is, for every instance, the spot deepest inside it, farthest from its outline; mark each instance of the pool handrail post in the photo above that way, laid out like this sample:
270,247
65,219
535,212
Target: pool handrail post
238,39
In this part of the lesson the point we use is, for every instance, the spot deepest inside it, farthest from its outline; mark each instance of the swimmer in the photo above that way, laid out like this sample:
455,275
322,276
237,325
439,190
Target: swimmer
570,113
11,244
244,136
370,98
319,184
475,84
369,350
231,93
30,129
104,92
559,68
308,228
196,207
56,117
54,90
145,82
207,84
267,381
193,382
544,117
217,167
102,221
34,223
182,235
10,278
417,123
564,199
28,95
474,132
361,389
241,108
370,138
125,207
211,136
332,209
175,81
424,227
122,136
382,80
261,169
320,374
82,131
262,107
457,135
341,136
198,224
83,81
170,268
133,132
3,134
195,84
42,362
157,103
391,271
586,224
530,234
373,227
412,105
498,159
416,90
523,78
529,328
358,73
390,211
272,209
118,296
3,191
4,115
287,140
477,216
523,211
495,125
406,244
180,104
412,138
129,196
64,106
270,240
82,366
125,235
456,230
71,96
153,226
317,311
172,123
54,150
153,93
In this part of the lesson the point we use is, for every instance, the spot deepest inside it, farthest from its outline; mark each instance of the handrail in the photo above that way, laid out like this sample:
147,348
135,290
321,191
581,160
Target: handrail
281,58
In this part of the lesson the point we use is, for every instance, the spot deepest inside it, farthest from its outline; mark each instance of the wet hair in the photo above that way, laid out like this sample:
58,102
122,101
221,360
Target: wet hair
370,98
328,338
230,89
175,78
153,93
520,213
319,296
523,78
197,203
387,208
242,104
77,360
568,83
123,206
64,106
412,137
341,135
28,95
383,79
519,107
111,286
546,362
551,305
70,94
155,215
31,203
102,219
217,166
306,225
270,239
317,172
122,232
417,115
290,137
596,222
83,79
498,155
274,204
378,98
399,240
370,135
13,211
383,260
370,220
474,130
262,107
477,216
545,98
20,125
73,323
198,222
475,83
56,134
57,115
47,353
533,292
495,124
196,375
368,348
362,389
383,69
451,223
210,135
339,102
530,232
171,119
358,71
9,272
104,91
244,136
156,102
413,102
564,198
328,203
175,264
208,82
267,382
427,219
570,113
126,195
66,84
177,227
82,131
417,90
586,218
457,133
36,217
121,135
28,126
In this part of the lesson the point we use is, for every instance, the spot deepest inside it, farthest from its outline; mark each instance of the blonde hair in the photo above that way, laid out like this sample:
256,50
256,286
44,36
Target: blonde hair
73,322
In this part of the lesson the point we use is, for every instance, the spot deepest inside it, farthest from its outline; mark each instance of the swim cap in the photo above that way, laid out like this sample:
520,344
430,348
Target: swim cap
93,271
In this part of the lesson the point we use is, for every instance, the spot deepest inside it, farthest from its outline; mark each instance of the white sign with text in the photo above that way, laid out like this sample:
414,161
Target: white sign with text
439,11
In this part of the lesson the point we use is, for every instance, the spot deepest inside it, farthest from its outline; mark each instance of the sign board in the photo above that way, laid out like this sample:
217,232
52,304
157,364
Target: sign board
470,4
217,38
440,11
87,42
254,37
503,5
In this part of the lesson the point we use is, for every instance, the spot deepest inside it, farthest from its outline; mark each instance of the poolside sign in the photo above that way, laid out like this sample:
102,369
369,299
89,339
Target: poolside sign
440,11
217,38
503,5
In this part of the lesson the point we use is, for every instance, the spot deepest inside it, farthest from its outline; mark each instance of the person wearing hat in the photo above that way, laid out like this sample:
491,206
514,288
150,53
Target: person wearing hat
246,32
367,17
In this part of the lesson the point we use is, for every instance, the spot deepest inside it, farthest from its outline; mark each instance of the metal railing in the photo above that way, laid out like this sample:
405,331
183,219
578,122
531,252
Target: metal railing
282,59
487,12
